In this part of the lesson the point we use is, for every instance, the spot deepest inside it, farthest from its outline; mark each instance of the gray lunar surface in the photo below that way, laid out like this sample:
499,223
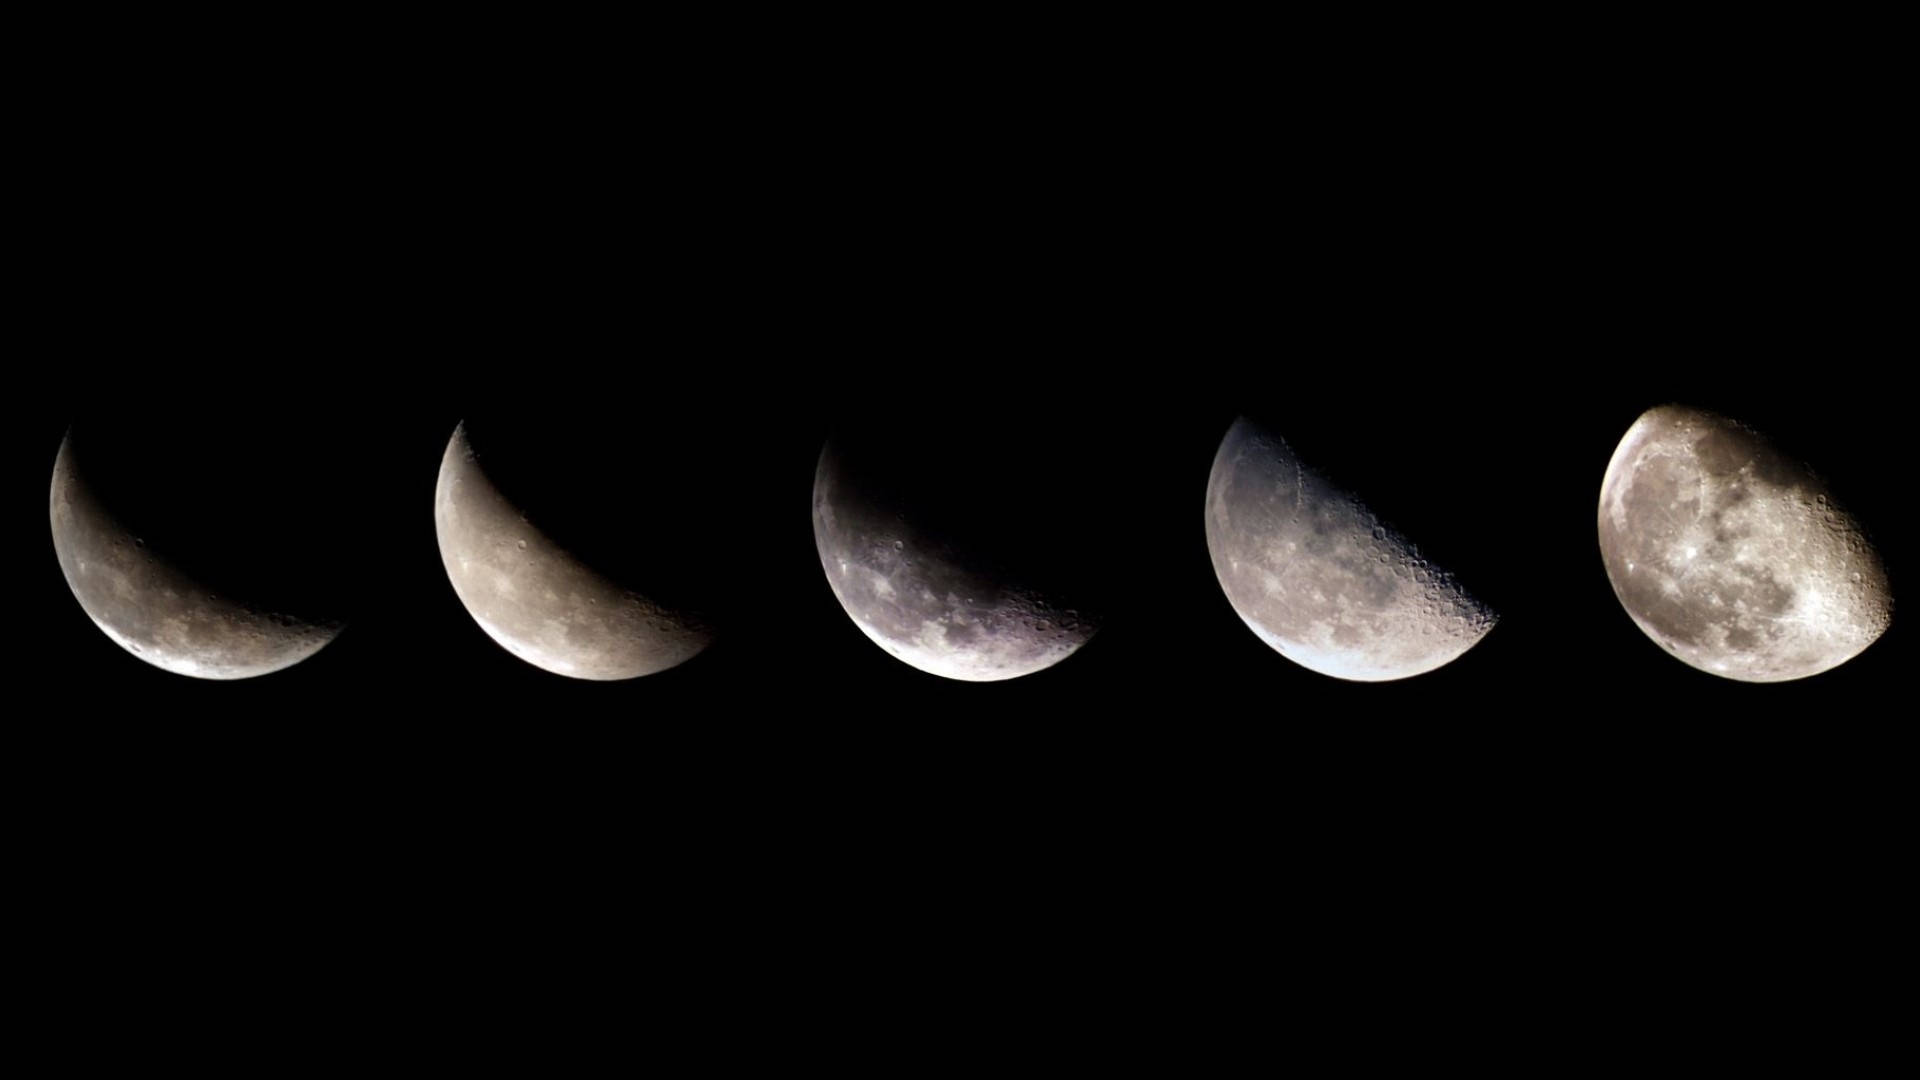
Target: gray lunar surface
1732,556
1317,576
536,599
147,605
928,604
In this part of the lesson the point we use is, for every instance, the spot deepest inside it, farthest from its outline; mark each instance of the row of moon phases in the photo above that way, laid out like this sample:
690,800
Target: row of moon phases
1732,556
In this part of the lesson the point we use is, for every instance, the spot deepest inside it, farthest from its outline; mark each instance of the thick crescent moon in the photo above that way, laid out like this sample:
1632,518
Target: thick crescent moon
1322,580
928,605
147,605
535,598
1734,557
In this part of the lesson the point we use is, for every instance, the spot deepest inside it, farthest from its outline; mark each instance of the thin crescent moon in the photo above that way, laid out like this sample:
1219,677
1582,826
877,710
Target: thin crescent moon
535,598
148,606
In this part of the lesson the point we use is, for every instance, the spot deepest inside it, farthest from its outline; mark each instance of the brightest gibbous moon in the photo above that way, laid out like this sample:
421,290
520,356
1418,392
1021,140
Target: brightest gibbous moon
935,576
151,605
1732,556
537,598
1317,576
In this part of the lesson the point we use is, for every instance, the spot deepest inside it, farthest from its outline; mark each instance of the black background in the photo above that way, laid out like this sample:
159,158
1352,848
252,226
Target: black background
1473,292
1565,717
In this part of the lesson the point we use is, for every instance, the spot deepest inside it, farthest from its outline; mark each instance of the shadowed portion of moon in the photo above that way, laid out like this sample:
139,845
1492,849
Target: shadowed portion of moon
558,598
1319,577
954,549
1732,555
154,601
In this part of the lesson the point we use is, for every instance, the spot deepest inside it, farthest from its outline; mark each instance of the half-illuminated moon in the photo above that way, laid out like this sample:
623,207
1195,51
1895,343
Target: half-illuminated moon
1732,556
150,606
1317,576
536,598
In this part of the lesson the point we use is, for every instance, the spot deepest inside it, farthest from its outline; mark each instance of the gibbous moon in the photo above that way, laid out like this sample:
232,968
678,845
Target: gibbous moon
948,604
1322,580
151,606
536,597
1733,556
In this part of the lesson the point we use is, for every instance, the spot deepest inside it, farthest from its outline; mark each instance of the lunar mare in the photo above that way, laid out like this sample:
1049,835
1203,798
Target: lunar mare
927,604
536,599
1319,577
145,603
1731,555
